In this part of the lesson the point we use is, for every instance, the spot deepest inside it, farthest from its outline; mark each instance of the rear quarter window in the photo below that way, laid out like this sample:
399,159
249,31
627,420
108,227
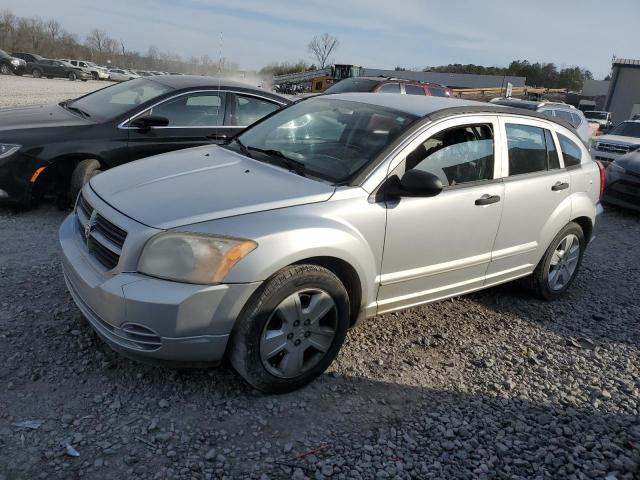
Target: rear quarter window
571,152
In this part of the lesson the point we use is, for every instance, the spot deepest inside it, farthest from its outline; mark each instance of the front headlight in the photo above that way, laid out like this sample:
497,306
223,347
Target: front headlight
7,149
192,257
15,62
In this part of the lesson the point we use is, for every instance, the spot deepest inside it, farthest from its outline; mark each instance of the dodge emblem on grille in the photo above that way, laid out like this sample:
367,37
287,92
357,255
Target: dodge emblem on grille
90,225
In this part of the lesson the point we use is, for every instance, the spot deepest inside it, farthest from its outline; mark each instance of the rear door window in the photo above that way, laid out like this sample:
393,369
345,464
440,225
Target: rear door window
249,110
531,149
413,89
438,91
389,88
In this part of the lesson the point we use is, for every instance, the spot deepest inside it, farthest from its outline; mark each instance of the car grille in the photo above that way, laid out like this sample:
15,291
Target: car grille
613,148
104,240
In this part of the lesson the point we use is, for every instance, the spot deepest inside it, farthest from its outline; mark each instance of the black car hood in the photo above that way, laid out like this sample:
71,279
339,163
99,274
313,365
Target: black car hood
18,118
630,162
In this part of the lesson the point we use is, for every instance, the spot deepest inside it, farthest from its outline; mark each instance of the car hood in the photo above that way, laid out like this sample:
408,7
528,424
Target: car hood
630,162
201,184
18,118
618,139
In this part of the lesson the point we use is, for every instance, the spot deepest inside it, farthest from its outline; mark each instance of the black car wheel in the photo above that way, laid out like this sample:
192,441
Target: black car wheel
84,171
291,329
36,73
72,76
94,75
4,69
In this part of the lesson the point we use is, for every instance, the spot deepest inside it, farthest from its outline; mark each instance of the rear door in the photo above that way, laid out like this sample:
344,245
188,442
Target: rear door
195,119
536,197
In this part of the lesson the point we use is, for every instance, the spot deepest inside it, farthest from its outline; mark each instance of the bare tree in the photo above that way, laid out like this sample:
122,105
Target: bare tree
322,46
96,40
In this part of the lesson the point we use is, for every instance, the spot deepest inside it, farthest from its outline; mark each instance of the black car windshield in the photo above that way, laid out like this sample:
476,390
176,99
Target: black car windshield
352,85
3,54
323,137
626,129
596,115
118,99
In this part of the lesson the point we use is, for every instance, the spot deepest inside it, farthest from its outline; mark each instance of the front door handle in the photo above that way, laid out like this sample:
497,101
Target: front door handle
488,199
560,186
217,136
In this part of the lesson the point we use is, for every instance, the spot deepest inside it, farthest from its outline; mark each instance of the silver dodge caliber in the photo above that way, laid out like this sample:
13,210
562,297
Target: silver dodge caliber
340,207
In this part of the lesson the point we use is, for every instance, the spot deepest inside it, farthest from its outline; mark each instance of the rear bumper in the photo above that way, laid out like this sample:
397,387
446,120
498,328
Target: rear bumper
145,317
622,189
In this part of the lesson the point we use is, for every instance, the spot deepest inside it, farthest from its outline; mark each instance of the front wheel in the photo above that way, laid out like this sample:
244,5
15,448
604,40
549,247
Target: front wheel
36,73
84,171
5,70
560,264
291,329
72,76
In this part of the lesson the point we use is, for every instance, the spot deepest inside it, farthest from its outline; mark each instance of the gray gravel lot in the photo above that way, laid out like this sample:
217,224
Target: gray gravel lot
25,90
492,385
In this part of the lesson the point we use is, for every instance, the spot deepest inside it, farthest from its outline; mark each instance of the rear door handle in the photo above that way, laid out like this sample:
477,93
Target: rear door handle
488,199
560,186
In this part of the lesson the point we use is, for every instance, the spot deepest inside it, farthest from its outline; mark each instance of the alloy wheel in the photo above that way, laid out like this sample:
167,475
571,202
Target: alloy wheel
564,262
299,333
4,69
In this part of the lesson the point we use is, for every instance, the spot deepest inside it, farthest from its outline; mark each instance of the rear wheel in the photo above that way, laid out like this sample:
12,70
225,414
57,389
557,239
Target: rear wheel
4,69
72,76
84,171
291,329
36,73
558,268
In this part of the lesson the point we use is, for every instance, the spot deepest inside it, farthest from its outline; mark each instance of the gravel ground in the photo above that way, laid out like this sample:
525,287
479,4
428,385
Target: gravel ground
491,385
25,90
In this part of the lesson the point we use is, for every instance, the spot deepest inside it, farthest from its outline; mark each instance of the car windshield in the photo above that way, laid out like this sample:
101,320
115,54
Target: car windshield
626,129
596,115
3,54
322,137
116,100
352,85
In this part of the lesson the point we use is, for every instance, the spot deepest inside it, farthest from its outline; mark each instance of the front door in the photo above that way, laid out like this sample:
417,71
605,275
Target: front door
195,119
441,246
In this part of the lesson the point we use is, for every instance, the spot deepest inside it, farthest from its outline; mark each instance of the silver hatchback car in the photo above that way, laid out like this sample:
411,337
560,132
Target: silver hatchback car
340,207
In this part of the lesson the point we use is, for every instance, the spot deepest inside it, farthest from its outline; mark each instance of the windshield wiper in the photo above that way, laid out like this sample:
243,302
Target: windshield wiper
290,163
243,148
74,109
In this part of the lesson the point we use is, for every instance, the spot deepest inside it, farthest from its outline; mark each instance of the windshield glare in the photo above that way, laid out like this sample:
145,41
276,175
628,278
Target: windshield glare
118,99
330,139
596,115
627,129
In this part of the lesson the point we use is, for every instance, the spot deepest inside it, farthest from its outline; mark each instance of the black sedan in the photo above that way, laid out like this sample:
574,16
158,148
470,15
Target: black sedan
9,64
55,149
622,182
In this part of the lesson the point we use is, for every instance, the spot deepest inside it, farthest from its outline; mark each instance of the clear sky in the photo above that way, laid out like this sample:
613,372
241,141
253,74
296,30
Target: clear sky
372,33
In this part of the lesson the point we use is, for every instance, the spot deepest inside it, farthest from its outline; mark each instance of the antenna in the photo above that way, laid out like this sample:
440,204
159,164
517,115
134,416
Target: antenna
219,72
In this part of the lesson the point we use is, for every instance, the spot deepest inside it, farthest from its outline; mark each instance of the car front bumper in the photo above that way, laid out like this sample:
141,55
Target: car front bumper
145,317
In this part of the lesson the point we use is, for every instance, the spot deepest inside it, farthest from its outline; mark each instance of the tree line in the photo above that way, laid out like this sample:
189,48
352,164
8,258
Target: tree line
538,74
51,40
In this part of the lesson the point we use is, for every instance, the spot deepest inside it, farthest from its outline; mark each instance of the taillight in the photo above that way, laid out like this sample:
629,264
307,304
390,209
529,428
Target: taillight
602,169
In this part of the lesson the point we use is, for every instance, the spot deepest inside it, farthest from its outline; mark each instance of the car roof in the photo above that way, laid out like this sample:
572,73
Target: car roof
180,82
383,79
434,108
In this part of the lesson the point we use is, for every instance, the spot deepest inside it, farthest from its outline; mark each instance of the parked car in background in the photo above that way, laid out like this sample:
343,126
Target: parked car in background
29,58
97,72
601,118
388,85
54,149
553,109
9,64
352,205
122,75
622,182
57,69
620,140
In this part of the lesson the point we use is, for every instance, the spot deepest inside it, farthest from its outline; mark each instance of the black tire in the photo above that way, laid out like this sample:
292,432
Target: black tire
94,75
244,345
36,73
72,76
5,69
539,280
84,171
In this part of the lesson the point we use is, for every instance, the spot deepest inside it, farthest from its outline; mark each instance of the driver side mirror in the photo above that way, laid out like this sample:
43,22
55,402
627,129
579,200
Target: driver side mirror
148,121
414,183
